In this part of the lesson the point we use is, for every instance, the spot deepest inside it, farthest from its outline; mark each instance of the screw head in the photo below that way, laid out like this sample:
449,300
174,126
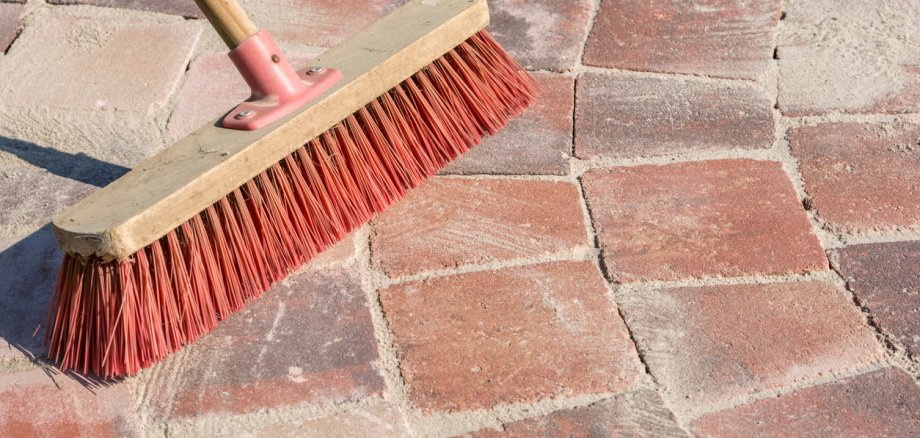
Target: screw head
244,114
315,70
276,59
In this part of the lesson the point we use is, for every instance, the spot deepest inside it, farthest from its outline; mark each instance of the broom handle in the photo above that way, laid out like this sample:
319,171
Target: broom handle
229,20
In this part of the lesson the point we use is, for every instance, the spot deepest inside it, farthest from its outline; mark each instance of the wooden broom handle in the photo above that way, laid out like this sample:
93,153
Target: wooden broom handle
229,20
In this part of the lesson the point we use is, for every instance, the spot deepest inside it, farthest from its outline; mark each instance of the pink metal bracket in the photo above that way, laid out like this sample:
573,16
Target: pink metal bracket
277,89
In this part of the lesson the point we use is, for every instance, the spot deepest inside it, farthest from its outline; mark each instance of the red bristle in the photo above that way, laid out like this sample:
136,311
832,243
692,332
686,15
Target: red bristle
115,318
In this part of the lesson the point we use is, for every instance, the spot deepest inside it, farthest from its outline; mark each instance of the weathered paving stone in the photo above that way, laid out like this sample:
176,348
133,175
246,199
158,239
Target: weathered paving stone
854,57
41,403
884,403
30,196
541,34
123,63
539,142
451,222
860,176
639,413
624,115
177,7
715,344
886,280
308,340
316,23
717,38
379,421
28,268
473,341
9,24
700,219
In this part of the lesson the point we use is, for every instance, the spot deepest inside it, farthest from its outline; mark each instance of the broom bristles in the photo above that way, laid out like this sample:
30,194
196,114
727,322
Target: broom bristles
112,319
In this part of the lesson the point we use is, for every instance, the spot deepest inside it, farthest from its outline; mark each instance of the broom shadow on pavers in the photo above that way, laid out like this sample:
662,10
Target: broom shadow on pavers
28,267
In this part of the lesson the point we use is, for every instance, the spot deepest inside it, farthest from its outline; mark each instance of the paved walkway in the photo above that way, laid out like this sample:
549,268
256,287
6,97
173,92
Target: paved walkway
708,225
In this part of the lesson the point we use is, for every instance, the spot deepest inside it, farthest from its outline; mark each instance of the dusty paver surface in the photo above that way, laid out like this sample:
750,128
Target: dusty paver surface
708,225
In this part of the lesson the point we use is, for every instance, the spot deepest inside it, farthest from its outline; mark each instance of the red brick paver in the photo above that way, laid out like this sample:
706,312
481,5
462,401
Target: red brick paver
884,403
639,413
449,222
861,177
712,344
9,24
515,335
100,63
178,7
40,403
309,340
861,58
703,219
623,115
541,34
539,142
717,38
886,280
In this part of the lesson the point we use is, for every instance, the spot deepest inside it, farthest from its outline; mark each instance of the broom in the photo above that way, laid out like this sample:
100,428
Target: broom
160,256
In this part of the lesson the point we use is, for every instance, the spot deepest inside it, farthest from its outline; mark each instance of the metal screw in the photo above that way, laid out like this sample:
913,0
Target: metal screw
276,59
315,70
244,114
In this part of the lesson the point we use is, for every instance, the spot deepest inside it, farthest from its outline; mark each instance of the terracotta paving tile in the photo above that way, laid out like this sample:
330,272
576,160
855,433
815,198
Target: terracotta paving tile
176,7
882,403
9,24
623,115
717,38
713,344
700,219
323,23
380,421
539,142
476,340
861,58
309,340
541,34
212,87
145,61
35,403
861,176
28,268
450,222
640,413
886,280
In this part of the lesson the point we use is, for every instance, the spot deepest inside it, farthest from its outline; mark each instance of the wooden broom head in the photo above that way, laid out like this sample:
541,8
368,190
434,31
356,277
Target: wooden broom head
182,181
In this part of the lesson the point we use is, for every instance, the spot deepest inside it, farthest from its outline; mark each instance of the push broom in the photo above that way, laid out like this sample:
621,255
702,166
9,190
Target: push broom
157,258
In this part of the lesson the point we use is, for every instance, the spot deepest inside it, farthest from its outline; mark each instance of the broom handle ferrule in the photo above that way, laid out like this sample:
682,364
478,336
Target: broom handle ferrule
229,20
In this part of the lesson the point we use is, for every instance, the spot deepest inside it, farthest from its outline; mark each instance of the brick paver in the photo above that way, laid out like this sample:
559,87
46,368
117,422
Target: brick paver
316,23
860,176
43,403
9,24
178,7
541,34
713,344
623,115
639,413
886,280
704,219
884,403
449,222
538,143
860,58
377,421
515,335
718,38
101,63
50,193
307,341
